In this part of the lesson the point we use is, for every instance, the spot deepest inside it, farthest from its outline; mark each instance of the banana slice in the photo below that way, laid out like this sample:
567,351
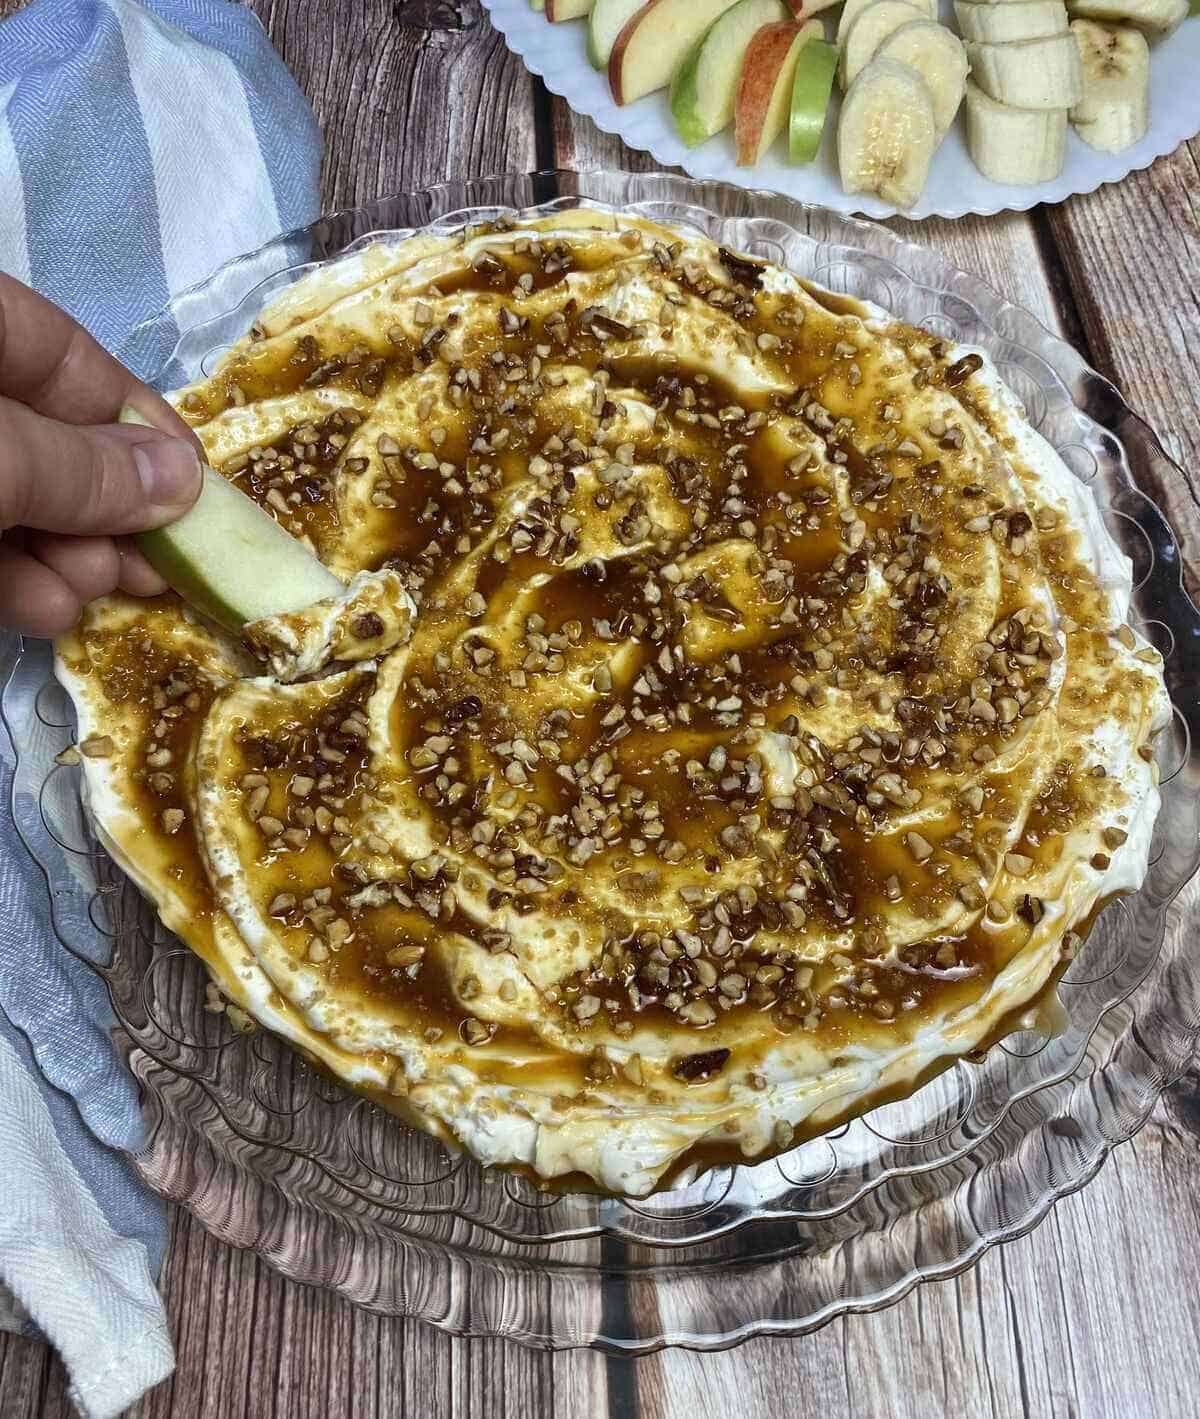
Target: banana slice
1007,23
940,59
853,8
868,32
1021,146
886,133
1114,112
1033,73
1155,15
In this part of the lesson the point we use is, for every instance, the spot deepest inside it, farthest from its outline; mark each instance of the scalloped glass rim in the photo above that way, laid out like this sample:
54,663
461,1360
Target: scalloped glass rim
271,1156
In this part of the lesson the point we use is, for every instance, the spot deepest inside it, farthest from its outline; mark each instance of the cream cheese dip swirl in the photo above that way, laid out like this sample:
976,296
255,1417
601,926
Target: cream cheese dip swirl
758,728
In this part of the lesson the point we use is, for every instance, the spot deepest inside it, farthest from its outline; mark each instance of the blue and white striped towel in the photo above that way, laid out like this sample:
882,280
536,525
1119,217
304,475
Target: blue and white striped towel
141,145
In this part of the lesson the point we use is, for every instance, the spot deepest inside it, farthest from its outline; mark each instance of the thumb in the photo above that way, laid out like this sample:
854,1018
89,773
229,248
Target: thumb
91,480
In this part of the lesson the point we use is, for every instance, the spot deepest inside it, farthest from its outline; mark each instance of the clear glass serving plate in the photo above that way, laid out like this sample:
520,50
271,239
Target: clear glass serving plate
271,1155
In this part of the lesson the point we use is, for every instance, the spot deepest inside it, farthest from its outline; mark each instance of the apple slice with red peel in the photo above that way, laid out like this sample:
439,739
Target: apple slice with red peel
705,84
764,93
654,42
559,10
605,22
811,87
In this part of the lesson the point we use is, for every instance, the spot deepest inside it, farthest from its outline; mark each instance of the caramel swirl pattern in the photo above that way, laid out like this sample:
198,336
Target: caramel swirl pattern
752,727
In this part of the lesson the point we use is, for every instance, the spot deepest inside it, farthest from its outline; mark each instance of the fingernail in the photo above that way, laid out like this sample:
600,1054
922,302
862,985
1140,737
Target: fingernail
169,470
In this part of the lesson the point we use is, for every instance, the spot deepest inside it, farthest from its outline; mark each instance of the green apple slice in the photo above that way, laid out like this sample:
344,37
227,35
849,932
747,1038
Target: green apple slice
606,20
811,88
230,559
705,84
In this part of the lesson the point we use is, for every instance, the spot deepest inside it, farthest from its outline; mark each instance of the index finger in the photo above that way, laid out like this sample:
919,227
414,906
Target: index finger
51,364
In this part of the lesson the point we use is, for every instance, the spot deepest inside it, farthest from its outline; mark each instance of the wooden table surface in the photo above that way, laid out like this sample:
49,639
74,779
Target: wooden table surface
1093,1315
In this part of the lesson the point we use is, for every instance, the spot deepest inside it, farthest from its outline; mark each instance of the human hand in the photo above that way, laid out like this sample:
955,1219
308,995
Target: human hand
73,482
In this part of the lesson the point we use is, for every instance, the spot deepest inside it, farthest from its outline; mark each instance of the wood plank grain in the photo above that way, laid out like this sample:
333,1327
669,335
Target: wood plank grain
1056,1324
24,1372
252,1345
1024,1332
1131,252
407,92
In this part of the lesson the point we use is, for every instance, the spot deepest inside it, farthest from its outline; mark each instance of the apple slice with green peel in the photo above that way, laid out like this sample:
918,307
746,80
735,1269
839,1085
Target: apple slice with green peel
764,92
605,22
653,43
231,560
813,83
559,10
705,84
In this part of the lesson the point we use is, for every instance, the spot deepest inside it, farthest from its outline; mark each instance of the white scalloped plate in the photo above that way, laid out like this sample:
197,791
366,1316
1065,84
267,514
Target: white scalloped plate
955,188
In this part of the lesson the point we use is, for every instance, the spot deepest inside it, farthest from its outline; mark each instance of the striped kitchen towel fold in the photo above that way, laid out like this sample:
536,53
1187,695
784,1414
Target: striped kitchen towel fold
141,145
